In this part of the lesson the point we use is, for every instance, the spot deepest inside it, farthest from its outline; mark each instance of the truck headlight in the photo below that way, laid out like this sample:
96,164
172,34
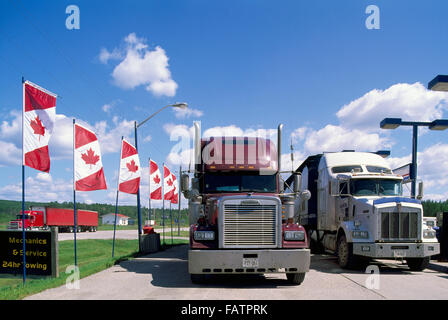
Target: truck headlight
294,235
428,233
360,234
204,235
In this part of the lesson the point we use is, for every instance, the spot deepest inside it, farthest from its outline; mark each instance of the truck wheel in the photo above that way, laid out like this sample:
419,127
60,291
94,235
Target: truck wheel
71,229
346,259
197,278
295,278
418,264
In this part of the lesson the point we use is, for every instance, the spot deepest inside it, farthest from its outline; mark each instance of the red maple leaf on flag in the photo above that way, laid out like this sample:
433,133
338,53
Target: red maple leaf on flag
156,179
131,166
169,182
174,190
37,127
90,157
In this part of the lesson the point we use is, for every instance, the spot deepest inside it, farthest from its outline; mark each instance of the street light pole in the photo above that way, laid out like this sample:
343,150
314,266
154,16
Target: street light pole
393,123
181,105
414,160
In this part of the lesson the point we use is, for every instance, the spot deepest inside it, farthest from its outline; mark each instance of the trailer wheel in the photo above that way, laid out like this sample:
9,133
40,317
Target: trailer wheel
197,278
295,278
418,264
315,246
346,259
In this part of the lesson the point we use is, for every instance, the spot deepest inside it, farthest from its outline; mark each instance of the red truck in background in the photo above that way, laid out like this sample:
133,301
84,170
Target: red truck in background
38,218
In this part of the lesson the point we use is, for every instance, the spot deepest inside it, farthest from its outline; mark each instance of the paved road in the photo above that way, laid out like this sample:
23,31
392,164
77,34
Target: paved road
164,275
108,234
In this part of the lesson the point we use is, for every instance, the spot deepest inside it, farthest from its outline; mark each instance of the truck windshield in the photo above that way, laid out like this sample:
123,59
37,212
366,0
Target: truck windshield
239,183
375,187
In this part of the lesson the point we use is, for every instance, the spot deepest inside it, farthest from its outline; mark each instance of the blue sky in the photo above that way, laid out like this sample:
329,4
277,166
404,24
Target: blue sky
313,66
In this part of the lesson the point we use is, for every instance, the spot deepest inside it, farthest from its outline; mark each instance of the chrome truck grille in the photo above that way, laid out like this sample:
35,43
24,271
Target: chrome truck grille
13,225
250,225
399,225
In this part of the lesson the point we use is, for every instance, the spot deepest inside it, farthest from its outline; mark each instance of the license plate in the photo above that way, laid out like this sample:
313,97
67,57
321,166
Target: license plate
399,254
250,262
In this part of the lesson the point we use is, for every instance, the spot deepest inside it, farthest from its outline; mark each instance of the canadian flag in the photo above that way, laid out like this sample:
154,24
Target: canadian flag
39,115
175,196
89,174
155,181
130,171
168,184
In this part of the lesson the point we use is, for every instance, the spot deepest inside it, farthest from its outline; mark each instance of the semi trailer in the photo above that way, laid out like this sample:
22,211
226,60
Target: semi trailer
357,211
41,218
241,218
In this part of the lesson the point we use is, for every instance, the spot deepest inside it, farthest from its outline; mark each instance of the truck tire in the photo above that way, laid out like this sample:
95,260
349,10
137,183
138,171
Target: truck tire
295,278
197,278
346,259
418,264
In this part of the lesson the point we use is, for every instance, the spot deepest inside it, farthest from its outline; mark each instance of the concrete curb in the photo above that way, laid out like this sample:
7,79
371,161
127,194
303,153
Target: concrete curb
438,267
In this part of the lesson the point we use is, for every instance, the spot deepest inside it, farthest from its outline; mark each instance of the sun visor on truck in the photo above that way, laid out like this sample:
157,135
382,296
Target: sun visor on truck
239,154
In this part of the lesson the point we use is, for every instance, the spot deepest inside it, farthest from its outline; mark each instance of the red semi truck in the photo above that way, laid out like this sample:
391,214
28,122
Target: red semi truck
242,221
38,218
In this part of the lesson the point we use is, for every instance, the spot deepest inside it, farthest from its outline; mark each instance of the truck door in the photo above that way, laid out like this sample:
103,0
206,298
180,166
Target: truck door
322,192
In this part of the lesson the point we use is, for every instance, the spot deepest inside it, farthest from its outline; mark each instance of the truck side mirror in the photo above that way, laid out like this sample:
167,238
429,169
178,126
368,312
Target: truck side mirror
334,186
297,183
420,191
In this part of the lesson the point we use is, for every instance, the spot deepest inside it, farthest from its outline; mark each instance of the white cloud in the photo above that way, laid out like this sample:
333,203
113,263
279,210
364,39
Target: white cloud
61,142
141,66
109,137
44,177
106,108
336,138
105,55
11,155
432,169
187,113
299,134
407,101
40,188
12,131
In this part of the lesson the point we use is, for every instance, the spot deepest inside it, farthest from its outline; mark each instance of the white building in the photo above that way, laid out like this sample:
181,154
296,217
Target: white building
109,218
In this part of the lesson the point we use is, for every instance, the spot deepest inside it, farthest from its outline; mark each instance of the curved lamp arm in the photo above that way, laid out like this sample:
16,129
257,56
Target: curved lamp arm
181,105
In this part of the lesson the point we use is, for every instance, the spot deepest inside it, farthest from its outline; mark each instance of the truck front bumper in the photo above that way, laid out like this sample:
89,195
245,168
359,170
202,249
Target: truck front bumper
248,261
396,250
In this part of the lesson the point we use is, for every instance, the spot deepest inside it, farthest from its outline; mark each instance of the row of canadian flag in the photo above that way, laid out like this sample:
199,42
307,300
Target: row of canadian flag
38,122
39,116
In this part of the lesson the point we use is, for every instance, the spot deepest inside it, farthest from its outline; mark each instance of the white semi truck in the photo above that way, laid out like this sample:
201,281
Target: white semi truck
357,210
